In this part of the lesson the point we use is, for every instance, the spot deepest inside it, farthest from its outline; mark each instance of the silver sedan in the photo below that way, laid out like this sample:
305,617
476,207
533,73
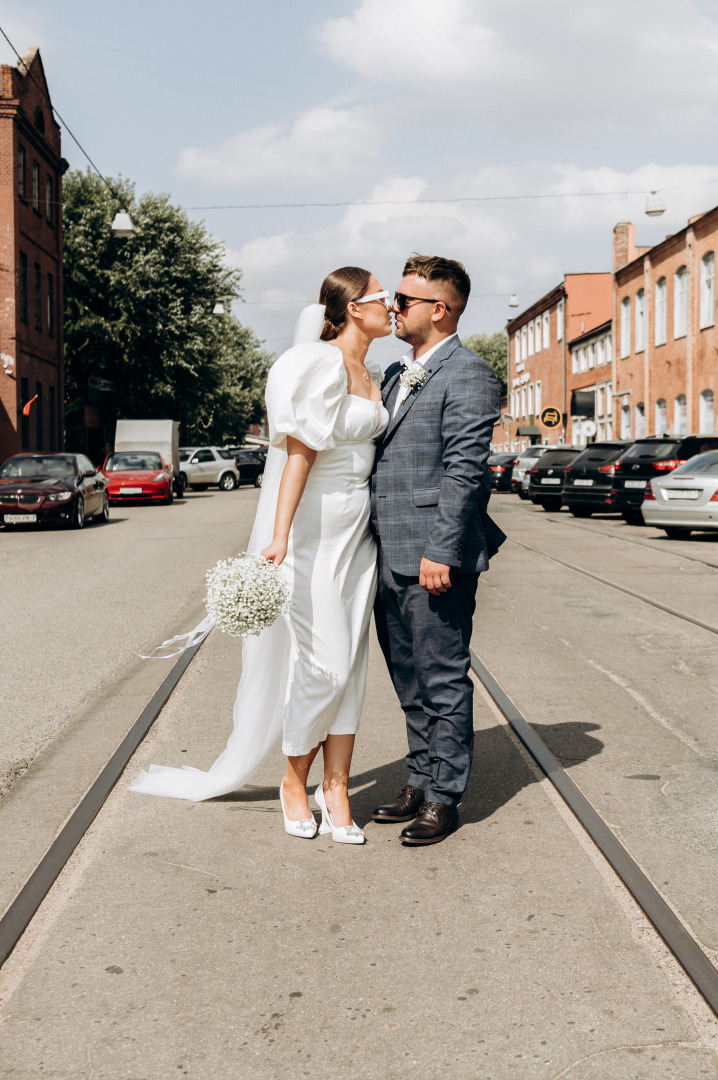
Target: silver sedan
685,499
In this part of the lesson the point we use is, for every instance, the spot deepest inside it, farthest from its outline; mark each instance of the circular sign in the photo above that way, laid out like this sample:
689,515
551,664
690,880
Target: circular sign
550,417
588,428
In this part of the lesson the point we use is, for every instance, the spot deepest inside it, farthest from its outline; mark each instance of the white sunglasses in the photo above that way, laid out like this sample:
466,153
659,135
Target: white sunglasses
383,295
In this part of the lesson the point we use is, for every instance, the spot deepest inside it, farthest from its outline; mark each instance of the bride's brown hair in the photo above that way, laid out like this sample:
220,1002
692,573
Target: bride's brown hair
338,289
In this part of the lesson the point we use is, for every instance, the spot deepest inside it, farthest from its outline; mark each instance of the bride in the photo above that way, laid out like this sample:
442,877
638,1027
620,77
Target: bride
303,678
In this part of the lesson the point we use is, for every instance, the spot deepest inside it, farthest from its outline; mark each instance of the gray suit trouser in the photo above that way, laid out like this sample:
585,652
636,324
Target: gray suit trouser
425,640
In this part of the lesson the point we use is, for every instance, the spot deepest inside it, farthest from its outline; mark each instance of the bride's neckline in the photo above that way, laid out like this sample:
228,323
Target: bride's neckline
360,397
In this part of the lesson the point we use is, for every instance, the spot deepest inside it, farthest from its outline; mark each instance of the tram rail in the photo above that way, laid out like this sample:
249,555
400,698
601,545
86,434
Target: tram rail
629,540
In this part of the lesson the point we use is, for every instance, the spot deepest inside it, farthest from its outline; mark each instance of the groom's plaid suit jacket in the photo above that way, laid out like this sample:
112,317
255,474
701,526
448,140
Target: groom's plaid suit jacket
430,485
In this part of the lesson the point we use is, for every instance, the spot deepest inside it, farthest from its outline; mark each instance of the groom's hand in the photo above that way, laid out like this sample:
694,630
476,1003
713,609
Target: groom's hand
434,577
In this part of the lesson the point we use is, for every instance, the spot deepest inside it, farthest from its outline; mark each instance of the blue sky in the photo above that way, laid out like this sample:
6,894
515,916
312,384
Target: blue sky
393,101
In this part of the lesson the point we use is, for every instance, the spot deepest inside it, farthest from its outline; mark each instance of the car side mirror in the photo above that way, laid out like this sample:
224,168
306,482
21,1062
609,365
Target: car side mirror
90,472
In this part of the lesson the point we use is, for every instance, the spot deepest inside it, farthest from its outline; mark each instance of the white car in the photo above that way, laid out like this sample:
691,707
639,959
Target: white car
685,499
205,465
525,460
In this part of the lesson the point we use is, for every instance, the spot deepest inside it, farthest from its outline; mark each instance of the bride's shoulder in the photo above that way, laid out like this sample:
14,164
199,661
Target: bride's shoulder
315,360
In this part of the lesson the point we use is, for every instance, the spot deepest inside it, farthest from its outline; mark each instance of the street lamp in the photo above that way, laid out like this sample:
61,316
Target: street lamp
514,301
655,205
218,308
122,225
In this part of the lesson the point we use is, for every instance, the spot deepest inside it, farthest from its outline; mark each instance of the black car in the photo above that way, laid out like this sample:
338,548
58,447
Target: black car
588,479
250,464
546,483
500,469
647,459
52,487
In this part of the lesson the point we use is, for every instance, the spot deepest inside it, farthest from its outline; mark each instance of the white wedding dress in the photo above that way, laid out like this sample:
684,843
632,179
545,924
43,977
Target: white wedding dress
304,677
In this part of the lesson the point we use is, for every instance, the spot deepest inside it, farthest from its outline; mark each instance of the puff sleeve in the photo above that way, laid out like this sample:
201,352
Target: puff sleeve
305,389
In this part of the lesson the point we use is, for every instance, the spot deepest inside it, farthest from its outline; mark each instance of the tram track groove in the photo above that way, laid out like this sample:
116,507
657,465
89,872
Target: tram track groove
628,540
618,588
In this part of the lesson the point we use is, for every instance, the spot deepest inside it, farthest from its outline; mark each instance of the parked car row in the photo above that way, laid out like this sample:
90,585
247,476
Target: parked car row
225,466
670,482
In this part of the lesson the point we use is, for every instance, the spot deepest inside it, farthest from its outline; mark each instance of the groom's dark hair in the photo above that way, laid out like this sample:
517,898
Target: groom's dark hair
434,268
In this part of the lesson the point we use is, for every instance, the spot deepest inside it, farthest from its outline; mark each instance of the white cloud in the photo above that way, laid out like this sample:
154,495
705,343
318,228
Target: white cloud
325,146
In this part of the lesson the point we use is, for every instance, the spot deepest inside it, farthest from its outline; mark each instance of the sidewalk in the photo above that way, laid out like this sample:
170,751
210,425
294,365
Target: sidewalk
200,940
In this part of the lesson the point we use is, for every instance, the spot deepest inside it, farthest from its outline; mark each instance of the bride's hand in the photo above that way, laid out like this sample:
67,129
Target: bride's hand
276,552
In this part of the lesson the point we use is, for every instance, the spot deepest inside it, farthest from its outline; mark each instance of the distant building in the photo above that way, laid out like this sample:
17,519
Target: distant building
539,373
590,386
31,342
666,366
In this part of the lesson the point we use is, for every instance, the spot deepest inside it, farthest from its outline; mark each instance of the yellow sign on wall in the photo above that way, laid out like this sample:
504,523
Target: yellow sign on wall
550,417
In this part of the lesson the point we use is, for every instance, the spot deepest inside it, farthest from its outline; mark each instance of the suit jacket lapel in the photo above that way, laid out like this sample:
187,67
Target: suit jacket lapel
431,368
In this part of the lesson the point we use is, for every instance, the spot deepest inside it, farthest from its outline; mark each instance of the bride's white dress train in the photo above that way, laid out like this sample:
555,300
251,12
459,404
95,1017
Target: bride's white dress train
304,677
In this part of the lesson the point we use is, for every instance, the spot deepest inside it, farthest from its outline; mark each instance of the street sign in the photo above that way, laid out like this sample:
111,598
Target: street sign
550,417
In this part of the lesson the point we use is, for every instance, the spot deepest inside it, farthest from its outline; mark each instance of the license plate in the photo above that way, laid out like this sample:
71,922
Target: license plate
20,519
677,493
636,483
130,491
583,483
550,479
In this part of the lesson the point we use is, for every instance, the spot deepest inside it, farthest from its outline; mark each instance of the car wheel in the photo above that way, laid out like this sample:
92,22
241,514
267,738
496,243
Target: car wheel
259,478
551,505
78,514
227,482
676,533
104,513
170,495
580,511
632,517
199,487
521,493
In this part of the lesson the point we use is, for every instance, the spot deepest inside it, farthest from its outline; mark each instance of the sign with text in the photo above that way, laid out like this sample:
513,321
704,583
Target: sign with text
550,417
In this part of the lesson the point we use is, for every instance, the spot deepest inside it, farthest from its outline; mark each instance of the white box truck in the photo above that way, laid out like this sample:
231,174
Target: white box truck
159,435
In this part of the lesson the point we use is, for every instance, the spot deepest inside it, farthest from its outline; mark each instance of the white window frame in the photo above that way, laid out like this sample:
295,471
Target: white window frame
625,327
537,334
639,419
706,412
680,302
660,329
517,348
591,355
680,412
531,338
609,348
546,330
559,321
530,400
574,361
707,312
640,321
625,421
660,417
523,344
537,398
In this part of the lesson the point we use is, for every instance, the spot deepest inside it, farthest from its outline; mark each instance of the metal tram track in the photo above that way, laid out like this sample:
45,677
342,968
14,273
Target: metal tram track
618,588
629,540
686,949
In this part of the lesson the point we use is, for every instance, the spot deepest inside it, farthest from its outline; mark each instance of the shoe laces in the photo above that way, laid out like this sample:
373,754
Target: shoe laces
432,809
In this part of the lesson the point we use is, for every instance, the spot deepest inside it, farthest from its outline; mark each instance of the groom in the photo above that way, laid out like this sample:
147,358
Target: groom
429,496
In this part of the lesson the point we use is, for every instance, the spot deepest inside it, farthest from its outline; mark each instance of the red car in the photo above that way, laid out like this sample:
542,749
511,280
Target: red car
137,474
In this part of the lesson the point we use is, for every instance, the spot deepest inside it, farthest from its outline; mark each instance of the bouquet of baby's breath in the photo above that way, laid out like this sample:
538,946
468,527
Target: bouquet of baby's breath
246,594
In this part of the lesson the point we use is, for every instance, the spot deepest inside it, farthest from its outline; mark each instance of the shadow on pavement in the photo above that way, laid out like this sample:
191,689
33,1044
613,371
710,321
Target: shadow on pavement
499,772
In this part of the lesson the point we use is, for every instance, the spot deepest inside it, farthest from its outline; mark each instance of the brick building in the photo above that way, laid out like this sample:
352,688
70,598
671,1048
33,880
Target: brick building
539,372
31,347
666,364
590,385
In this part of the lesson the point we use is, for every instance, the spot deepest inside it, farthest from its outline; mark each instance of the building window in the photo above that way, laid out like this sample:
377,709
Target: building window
707,315
559,321
592,355
625,327
582,363
21,171
531,338
640,320
523,401
52,406
546,330
640,420
36,186
659,416
38,297
625,421
679,415
48,200
51,305
537,398
706,415
609,348
24,420
574,361
537,334
680,302
661,305
517,349
23,287
530,402
523,343
39,418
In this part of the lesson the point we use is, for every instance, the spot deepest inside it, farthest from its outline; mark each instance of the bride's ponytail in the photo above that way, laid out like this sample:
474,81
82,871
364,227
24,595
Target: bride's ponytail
338,289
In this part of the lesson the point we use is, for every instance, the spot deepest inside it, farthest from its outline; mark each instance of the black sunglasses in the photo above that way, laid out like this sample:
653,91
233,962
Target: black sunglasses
402,301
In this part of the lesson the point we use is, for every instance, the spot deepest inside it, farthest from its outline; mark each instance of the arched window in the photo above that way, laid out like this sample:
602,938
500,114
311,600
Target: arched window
659,417
680,303
679,415
640,419
640,320
40,120
706,414
707,315
625,421
661,304
625,327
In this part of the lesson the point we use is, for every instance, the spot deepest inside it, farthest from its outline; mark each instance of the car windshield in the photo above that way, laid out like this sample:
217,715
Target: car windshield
701,464
38,467
599,453
533,451
656,451
557,457
127,461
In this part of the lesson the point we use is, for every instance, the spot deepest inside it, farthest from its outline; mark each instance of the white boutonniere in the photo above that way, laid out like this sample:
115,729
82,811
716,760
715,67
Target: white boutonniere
412,379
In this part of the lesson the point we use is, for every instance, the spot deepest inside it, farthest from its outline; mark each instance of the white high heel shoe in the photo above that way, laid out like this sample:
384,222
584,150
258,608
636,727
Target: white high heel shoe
343,834
305,827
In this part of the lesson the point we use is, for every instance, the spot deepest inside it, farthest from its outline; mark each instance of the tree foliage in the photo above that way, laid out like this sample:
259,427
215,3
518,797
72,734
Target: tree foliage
493,348
138,311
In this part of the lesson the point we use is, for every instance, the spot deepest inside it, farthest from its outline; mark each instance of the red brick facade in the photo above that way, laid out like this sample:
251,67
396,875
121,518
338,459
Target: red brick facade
31,303
539,371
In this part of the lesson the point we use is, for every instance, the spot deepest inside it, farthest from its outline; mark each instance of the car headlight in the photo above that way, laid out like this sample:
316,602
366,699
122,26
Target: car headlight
59,496
159,478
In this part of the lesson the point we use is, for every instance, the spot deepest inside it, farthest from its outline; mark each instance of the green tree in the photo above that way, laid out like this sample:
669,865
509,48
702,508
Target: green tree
138,311
493,348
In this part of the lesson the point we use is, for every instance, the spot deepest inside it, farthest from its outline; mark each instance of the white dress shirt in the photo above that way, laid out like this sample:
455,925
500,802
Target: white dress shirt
412,364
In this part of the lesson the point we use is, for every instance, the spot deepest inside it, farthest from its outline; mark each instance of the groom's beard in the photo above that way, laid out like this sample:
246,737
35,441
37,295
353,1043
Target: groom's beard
415,338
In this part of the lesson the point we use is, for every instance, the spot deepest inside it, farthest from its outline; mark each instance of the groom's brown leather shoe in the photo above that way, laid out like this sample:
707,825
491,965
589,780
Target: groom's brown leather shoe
404,808
433,824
